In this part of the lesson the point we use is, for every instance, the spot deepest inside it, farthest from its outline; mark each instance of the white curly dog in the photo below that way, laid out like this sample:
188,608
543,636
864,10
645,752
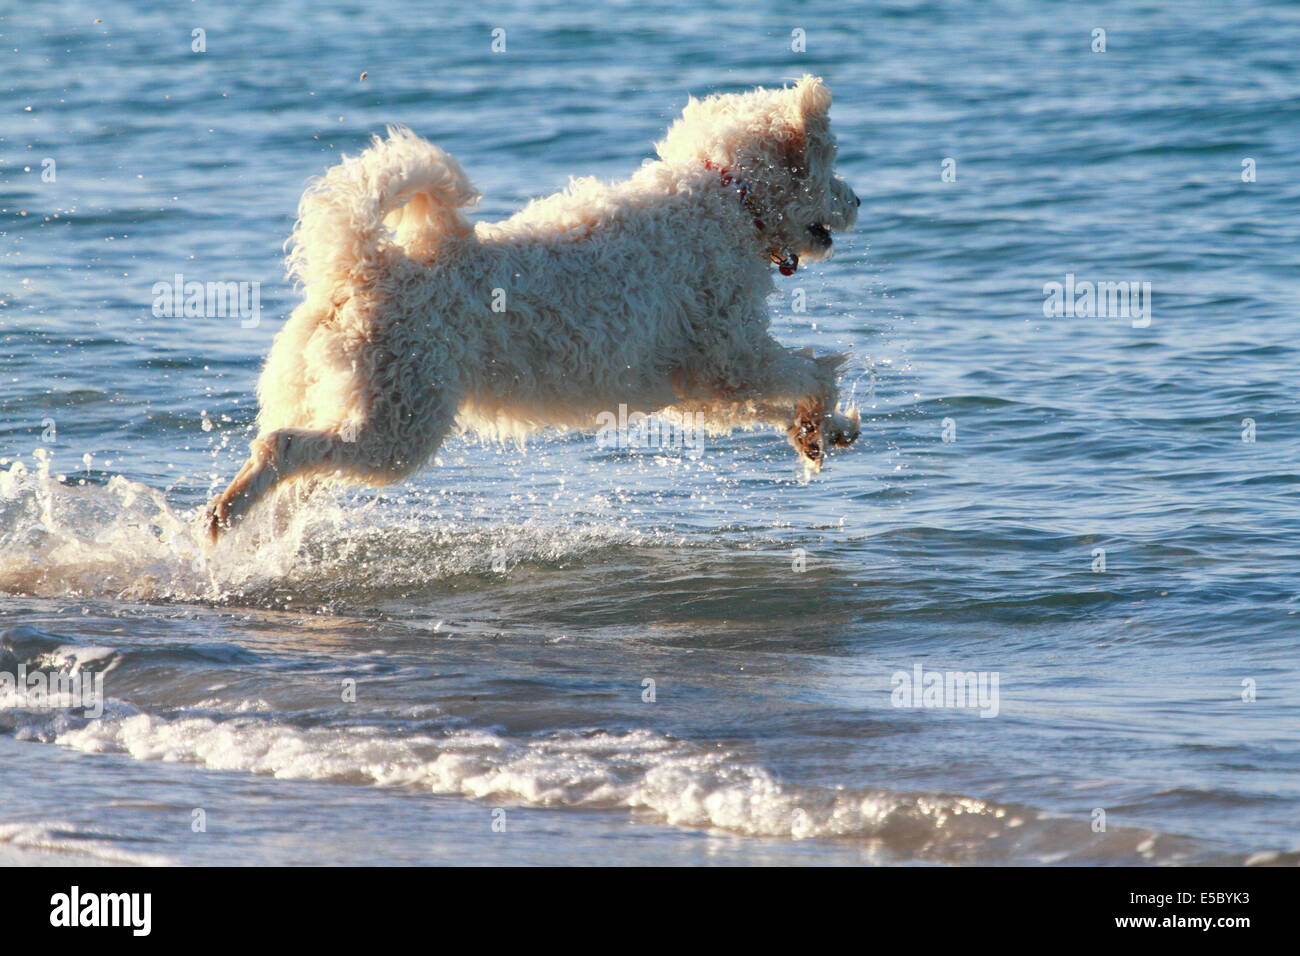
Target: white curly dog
650,293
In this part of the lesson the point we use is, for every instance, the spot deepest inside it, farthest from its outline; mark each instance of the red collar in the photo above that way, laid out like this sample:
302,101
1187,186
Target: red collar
786,262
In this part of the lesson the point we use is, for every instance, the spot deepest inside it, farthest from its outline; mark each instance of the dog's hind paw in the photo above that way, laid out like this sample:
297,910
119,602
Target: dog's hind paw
217,518
212,523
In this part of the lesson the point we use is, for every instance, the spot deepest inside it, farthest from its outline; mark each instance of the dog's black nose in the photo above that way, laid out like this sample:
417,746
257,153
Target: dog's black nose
857,199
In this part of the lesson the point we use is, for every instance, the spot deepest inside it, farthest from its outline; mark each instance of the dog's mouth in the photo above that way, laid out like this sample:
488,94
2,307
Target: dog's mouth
819,244
821,236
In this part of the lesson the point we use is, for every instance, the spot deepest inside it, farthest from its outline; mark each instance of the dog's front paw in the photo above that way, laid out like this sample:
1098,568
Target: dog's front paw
814,431
842,427
807,436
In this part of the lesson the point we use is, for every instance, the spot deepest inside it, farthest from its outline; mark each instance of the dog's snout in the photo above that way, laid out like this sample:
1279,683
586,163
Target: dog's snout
857,200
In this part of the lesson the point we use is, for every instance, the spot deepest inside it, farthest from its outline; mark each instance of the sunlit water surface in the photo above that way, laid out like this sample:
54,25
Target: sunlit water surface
502,614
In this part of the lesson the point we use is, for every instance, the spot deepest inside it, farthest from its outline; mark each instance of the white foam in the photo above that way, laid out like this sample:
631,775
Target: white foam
61,837
655,777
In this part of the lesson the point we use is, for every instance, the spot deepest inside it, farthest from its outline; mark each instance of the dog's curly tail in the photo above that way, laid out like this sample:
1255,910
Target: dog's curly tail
401,191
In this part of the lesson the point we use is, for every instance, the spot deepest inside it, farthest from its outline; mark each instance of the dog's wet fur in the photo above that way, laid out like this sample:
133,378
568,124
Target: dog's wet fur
649,293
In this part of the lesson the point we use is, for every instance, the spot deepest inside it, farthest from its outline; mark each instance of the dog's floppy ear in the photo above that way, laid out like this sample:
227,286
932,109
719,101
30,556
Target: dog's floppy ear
812,98
802,111
808,104
793,152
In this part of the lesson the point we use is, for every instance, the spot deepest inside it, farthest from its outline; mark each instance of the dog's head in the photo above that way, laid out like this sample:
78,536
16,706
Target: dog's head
778,144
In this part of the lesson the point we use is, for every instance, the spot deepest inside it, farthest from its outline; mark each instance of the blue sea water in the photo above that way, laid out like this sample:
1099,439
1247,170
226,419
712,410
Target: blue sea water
1111,529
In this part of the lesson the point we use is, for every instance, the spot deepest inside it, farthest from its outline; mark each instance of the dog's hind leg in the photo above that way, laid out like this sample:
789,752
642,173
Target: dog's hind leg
387,448
276,456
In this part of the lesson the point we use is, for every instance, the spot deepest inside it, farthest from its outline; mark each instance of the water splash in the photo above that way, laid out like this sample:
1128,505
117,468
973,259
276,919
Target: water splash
122,540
